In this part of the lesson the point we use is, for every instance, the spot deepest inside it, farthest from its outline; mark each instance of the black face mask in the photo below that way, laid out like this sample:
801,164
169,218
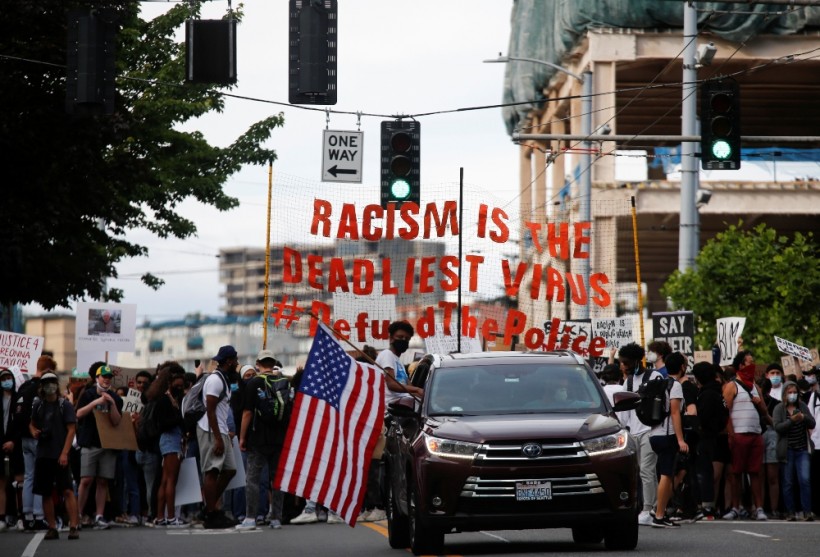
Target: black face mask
400,346
177,392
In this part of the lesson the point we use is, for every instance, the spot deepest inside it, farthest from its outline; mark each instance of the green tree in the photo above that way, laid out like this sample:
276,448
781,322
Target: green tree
73,188
772,280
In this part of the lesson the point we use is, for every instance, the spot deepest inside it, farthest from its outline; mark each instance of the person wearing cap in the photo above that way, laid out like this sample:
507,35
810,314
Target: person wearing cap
32,511
265,412
96,462
216,453
10,437
53,423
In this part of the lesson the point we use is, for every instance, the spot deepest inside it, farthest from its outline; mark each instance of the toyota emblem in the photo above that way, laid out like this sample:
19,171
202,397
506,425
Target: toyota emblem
531,450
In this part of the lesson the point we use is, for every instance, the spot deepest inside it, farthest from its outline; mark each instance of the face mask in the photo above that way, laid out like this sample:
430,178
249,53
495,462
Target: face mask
776,380
791,397
234,387
811,379
50,388
7,384
178,392
401,345
561,394
651,357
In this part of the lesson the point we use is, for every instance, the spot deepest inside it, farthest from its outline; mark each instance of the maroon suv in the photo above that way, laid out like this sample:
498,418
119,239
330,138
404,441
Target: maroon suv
508,441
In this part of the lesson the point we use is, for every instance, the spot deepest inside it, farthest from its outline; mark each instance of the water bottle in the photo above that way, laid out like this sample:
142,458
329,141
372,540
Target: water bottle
7,466
657,409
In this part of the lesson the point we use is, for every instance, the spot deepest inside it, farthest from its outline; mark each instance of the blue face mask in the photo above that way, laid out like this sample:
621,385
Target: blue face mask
776,380
234,387
7,384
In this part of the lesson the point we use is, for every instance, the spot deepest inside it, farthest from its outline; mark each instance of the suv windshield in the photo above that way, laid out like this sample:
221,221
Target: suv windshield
512,389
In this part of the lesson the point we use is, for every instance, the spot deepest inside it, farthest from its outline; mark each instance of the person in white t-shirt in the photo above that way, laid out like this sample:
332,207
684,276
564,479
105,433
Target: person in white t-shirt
396,379
774,372
667,440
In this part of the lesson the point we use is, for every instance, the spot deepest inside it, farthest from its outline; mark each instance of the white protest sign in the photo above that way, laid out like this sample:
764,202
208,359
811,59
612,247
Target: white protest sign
729,329
238,479
188,489
132,402
20,351
440,343
342,156
106,326
616,332
789,347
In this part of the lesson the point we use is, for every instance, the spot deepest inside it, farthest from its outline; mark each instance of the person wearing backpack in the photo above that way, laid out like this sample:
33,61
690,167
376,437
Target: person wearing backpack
746,409
217,459
630,357
713,416
265,414
667,439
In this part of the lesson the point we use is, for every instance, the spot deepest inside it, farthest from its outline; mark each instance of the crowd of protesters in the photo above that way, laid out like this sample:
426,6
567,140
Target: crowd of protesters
736,444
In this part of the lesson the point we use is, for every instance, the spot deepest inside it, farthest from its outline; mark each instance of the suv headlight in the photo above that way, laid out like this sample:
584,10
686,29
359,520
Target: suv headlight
606,444
449,448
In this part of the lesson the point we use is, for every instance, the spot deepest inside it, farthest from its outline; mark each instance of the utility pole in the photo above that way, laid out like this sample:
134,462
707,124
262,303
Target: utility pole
687,248
586,180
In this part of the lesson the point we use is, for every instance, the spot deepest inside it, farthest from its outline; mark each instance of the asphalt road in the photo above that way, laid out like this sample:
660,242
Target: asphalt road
749,539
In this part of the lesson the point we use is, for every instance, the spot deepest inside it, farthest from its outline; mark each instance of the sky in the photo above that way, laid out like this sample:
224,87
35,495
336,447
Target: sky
393,58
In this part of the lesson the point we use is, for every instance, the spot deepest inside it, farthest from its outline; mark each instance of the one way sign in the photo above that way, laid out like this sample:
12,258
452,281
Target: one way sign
342,156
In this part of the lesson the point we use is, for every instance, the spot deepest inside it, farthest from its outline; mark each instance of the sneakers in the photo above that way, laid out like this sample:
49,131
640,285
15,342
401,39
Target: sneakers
3,526
176,523
744,514
645,519
664,522
218,521
52,534
363,516
333,518
809,517
100,523
261,521
132,520
305,518
159,523
276,524
760,515
247,524
376,515
708,514
73,534
731,515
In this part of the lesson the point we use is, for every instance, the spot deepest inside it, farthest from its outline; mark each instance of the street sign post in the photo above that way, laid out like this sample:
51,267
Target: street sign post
342,153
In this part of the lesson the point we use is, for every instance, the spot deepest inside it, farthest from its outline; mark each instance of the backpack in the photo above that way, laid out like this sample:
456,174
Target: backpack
272,400
193,403
653,408
148,432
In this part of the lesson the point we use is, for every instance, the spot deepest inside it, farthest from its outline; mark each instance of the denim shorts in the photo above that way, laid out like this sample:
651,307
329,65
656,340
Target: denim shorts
171,442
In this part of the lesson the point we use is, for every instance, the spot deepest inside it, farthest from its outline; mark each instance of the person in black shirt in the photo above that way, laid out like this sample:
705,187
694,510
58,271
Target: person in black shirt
712,417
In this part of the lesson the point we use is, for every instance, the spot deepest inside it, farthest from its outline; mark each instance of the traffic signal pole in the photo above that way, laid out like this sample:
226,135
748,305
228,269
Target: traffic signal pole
688,233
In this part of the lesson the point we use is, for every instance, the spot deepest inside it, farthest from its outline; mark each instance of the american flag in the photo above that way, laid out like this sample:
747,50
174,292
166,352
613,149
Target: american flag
337,418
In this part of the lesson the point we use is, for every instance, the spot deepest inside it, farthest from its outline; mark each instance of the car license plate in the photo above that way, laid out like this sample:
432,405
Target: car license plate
533,491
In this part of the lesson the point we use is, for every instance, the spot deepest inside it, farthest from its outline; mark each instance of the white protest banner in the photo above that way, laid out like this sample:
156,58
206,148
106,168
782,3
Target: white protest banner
189,489
440,343
616,332
729,329
788,347
381,307
132,402
20,351
106,326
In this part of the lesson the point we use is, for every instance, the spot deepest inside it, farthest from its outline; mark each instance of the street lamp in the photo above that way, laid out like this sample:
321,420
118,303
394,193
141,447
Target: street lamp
586,164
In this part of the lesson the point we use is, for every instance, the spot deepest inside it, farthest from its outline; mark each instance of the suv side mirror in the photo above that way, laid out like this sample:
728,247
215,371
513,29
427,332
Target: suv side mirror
626,400
405,407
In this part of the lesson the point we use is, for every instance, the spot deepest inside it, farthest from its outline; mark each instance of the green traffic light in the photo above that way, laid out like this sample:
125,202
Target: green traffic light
400,190
721,149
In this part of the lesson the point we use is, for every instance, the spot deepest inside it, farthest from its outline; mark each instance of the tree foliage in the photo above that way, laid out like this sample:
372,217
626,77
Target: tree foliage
75,187
772,280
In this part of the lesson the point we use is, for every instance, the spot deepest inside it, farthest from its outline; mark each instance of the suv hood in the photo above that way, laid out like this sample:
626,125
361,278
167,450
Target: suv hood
481,429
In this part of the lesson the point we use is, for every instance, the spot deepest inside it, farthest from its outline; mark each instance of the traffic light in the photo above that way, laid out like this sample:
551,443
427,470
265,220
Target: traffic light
90,86
313,31
400,177
720,125
210,51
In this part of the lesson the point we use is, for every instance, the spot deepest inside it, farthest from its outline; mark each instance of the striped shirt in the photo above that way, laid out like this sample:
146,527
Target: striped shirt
797,436
745,418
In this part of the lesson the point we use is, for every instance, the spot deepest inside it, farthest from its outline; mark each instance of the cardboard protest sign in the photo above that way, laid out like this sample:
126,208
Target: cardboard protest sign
796,350
189,489
448,344
729,330
20,351
120,437
678,329
106,326
132,402
703,356
238,479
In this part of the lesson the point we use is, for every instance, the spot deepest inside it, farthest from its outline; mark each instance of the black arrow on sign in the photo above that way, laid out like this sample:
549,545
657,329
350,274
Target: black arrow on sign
336,171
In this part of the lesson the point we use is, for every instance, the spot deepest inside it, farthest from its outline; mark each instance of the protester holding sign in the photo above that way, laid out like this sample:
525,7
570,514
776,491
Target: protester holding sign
9,435
96,461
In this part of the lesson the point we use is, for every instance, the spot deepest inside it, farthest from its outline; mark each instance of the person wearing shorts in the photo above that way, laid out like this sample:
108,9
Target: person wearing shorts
96,462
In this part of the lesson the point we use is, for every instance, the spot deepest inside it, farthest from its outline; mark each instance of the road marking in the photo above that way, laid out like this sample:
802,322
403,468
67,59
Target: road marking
31,548
755,534
376,527
494,536
198,532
